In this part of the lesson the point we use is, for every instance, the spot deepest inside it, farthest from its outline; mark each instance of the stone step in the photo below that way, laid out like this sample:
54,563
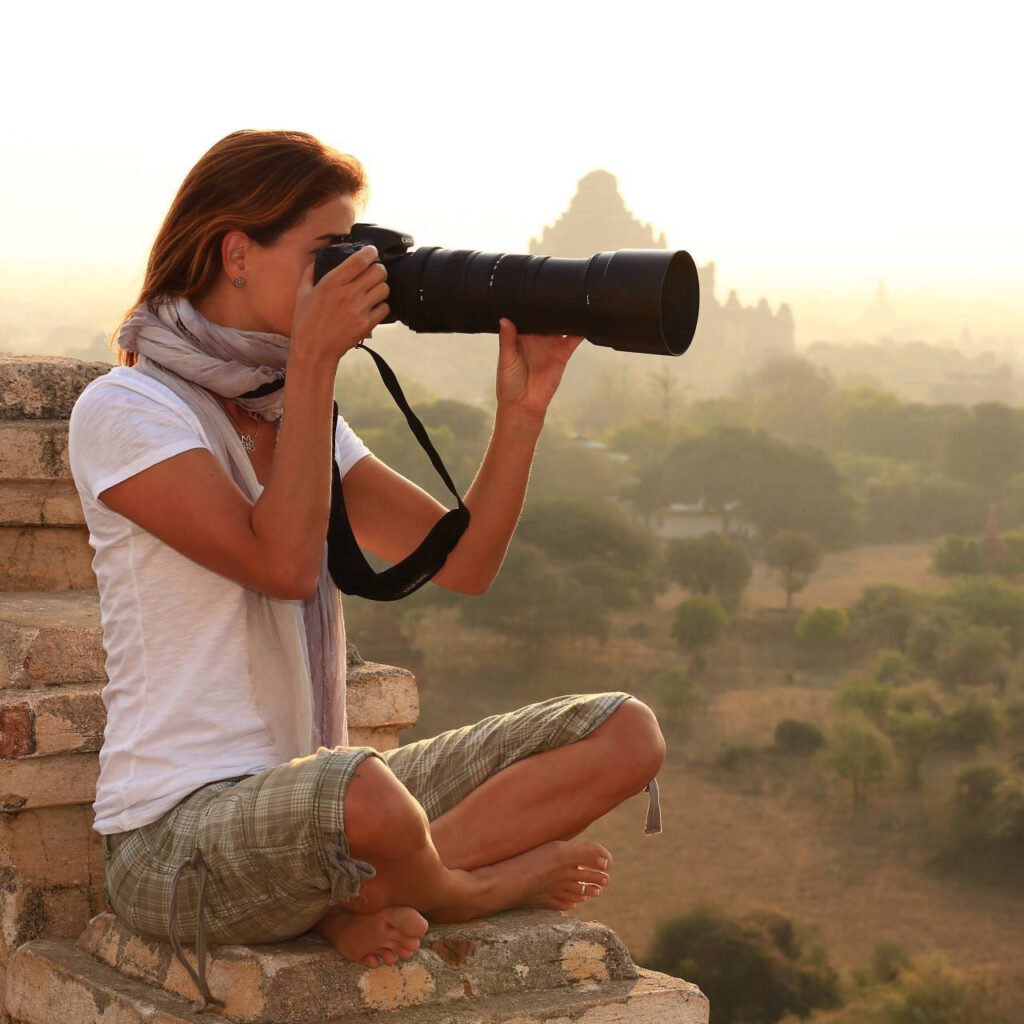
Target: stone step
34,450
50,639
50,981
40,503
45,558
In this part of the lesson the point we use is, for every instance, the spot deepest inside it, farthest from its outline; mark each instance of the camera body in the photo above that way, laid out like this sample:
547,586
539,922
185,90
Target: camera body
635,300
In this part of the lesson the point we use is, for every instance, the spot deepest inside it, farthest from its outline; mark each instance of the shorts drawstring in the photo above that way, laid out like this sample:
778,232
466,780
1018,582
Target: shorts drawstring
195,861
653,822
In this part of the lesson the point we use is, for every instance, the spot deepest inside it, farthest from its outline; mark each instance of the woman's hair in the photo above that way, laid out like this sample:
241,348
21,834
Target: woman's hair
262,183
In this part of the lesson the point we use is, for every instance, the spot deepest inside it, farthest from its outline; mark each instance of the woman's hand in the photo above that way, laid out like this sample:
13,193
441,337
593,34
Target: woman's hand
342,309
530,367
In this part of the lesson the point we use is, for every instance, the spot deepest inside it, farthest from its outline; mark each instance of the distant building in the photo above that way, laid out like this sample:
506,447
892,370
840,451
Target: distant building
730,338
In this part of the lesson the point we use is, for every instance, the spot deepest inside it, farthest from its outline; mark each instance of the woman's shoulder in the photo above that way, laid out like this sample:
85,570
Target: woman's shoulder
127,394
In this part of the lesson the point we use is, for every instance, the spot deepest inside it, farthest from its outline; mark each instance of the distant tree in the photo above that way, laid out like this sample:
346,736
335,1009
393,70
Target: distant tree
754,969
796,557
801,739
989,601
536,603
597,545
822,626
973,723
884,614
913,735
858,752
709,564
988,448
973,656
790,398
913,504
865,695
697,622
774,486
891,668
678,696
957,556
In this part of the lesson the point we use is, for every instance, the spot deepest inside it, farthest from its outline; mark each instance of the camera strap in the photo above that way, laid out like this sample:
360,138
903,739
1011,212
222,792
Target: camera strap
347,564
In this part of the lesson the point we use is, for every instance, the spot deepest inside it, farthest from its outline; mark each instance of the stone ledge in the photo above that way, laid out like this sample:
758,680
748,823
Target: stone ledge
39,387
51,980
507,954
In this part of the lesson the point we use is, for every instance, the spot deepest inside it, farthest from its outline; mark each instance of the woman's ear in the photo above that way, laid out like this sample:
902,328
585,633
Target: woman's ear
233,249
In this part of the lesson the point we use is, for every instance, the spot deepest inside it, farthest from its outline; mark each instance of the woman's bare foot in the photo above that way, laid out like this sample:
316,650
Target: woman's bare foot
381,937
546,876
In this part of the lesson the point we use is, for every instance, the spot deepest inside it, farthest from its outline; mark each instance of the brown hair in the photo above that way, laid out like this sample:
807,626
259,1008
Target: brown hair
262,183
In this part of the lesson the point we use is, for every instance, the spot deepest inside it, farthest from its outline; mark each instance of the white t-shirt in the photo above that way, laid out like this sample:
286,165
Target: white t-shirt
180,711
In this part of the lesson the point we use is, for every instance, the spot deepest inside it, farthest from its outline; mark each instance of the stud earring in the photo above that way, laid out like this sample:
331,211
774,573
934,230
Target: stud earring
239,282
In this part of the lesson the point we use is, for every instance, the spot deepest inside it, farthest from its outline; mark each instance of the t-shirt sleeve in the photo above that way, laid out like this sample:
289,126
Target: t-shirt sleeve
348,447
115,432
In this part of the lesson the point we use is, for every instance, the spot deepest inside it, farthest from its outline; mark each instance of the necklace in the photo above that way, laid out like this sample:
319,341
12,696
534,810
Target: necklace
249,441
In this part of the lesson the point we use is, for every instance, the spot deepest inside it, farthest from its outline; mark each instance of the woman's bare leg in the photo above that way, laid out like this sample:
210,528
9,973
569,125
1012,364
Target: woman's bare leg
386,826
555,794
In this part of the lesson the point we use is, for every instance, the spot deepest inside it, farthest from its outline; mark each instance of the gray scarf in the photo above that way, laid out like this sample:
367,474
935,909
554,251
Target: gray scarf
296,656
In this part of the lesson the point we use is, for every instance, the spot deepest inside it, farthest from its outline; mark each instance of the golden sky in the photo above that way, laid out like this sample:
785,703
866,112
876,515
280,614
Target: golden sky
808,148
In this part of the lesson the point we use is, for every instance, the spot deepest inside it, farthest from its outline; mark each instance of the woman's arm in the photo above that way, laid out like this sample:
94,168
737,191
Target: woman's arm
390,515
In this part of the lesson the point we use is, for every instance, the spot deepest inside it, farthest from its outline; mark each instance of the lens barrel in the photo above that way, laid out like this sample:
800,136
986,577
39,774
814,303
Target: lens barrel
634,300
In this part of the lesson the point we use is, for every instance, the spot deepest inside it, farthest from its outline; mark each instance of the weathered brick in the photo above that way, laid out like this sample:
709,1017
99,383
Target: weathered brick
379,739
53,846
59,781
34,450
43,387
16,733
45,558
40,503
57,721
50,639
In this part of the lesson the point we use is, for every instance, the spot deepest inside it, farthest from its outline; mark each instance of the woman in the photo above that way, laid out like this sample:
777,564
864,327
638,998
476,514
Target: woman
206,488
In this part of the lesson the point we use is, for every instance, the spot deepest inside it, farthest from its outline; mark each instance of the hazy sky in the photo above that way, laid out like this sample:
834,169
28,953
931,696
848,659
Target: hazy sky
809,148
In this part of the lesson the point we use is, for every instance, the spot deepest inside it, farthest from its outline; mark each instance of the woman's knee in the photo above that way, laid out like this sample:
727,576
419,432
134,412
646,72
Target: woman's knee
635,740
382,818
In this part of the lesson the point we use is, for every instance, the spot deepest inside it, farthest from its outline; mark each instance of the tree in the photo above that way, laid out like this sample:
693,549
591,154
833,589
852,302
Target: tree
822,626
801,739
770,484
536,603
989,601
973,656
753,969
790,398
988,448
697,622
857,751
870,698
795,556
678,697
913,735
596,545
709,564
957,556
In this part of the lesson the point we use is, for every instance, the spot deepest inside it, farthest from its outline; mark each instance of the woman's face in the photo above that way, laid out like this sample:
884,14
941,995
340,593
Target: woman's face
272,273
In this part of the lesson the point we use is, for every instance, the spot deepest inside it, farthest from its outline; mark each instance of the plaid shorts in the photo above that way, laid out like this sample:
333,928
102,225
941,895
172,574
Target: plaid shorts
274,855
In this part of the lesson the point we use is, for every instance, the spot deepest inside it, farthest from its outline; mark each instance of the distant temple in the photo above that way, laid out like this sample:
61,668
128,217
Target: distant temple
730,337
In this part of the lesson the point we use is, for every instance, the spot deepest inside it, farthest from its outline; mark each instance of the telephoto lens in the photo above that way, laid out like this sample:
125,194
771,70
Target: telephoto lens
634,300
